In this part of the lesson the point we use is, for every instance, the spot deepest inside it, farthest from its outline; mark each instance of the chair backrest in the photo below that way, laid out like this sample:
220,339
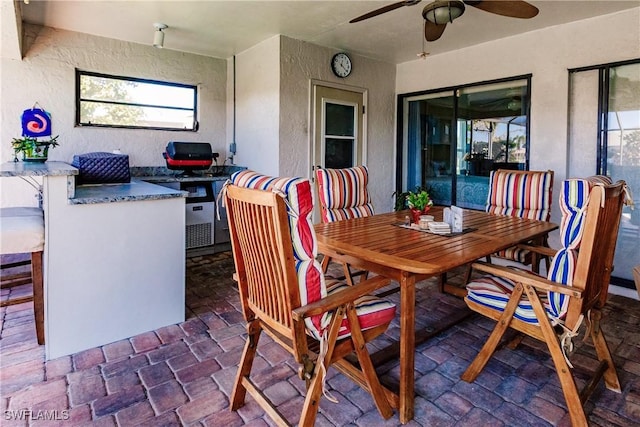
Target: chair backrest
343,193
591,211
525,194
274,248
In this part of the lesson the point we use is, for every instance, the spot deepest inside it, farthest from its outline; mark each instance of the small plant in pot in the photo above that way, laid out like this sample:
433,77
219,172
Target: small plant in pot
419,203
32,149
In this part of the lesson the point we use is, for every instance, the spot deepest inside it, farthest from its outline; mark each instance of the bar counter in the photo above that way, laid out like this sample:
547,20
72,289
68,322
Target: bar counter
114,258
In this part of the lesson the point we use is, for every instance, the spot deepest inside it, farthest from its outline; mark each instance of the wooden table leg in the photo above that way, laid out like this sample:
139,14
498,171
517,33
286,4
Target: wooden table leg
407,346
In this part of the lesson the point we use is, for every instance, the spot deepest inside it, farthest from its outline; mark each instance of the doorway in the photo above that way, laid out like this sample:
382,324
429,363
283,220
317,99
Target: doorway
338,127
604,138
338,121
452,138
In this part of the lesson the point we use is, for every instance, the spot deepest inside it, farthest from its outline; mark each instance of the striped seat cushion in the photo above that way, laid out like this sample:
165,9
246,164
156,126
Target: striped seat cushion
371,311
343,193
311,282
493,291
515,253
525,195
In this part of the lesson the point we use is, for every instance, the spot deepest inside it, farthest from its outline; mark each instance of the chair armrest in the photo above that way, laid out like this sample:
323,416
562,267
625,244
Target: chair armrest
345,296
527,278
542,250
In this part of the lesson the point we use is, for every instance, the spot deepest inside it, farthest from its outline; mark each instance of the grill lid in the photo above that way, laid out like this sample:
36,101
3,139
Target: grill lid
189,151
188,156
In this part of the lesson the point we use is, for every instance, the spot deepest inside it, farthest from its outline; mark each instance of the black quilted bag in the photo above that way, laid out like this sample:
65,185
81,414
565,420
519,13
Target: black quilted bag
102,168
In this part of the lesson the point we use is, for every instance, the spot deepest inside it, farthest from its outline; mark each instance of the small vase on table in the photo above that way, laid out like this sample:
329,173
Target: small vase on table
416,213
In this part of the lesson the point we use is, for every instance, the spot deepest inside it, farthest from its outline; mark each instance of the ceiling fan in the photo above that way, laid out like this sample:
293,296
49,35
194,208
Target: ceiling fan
438,13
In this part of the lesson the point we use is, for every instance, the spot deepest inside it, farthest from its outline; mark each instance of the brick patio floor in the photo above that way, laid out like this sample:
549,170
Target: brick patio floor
183,374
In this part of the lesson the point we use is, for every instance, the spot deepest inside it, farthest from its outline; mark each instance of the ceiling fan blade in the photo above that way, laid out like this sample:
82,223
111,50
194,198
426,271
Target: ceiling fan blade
385,9
432,32
510,8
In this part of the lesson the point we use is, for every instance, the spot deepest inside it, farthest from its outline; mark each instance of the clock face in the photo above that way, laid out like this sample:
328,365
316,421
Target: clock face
341,64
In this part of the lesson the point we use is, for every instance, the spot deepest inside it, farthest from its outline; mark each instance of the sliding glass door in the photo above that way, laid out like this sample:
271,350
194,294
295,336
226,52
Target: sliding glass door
620,156
604,138
452,139
429,141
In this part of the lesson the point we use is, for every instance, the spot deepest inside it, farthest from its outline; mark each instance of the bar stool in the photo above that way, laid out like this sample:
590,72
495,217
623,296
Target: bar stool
22,232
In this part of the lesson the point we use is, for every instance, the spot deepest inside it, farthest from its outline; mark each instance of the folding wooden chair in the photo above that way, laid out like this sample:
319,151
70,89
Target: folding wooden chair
283,293
343,195
576,288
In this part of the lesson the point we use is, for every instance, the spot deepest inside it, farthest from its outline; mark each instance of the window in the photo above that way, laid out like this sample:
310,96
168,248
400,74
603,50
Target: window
452,138
126,102
339,134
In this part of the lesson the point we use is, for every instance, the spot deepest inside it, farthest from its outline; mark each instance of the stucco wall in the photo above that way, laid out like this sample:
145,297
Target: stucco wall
273,82
300,63
257,107
47,75
546,54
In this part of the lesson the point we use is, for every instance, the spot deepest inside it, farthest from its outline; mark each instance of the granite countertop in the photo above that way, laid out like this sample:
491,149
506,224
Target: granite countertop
136,190
183,178
48,168
163,174
140,188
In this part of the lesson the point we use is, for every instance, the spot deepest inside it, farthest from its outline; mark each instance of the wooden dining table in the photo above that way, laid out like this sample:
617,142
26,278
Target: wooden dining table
381,245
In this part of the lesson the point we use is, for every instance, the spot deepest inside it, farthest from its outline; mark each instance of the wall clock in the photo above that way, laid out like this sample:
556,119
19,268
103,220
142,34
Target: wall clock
341,64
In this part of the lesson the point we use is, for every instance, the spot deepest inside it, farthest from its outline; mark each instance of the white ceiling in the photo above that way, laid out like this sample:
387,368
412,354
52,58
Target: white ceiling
224,28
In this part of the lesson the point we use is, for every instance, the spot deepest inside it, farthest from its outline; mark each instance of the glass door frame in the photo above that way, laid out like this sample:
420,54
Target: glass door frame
356,150
604,74
455,91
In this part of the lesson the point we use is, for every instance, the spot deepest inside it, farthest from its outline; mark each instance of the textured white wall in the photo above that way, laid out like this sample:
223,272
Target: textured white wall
273,82
301,62
47,75
257,106
547,55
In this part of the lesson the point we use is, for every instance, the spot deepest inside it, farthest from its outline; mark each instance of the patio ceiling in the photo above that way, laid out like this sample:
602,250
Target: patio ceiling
224,28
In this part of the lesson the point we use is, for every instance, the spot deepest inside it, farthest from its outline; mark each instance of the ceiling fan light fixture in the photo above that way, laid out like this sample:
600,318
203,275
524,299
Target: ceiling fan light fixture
514,105
442,12
158,35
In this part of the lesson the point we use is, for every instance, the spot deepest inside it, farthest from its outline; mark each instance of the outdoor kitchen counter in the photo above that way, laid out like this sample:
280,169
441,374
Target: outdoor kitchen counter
11,169
136,190
114,258
177,178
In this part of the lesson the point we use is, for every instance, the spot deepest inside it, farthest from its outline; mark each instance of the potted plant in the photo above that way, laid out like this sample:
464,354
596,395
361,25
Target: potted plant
32,149
419,203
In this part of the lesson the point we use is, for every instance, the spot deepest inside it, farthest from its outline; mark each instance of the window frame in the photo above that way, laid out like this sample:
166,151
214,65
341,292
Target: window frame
602,133
80,73
453,137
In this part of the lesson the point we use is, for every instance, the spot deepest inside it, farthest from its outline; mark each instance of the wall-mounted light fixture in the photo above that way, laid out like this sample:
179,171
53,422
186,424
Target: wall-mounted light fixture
158,36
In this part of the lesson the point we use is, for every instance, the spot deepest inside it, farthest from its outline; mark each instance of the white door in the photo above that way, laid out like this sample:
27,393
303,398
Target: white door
338,129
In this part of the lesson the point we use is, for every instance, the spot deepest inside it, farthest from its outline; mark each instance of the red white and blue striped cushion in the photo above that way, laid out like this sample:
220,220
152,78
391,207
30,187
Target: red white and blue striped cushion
371,311
343,193
494,291
311,282
522,195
